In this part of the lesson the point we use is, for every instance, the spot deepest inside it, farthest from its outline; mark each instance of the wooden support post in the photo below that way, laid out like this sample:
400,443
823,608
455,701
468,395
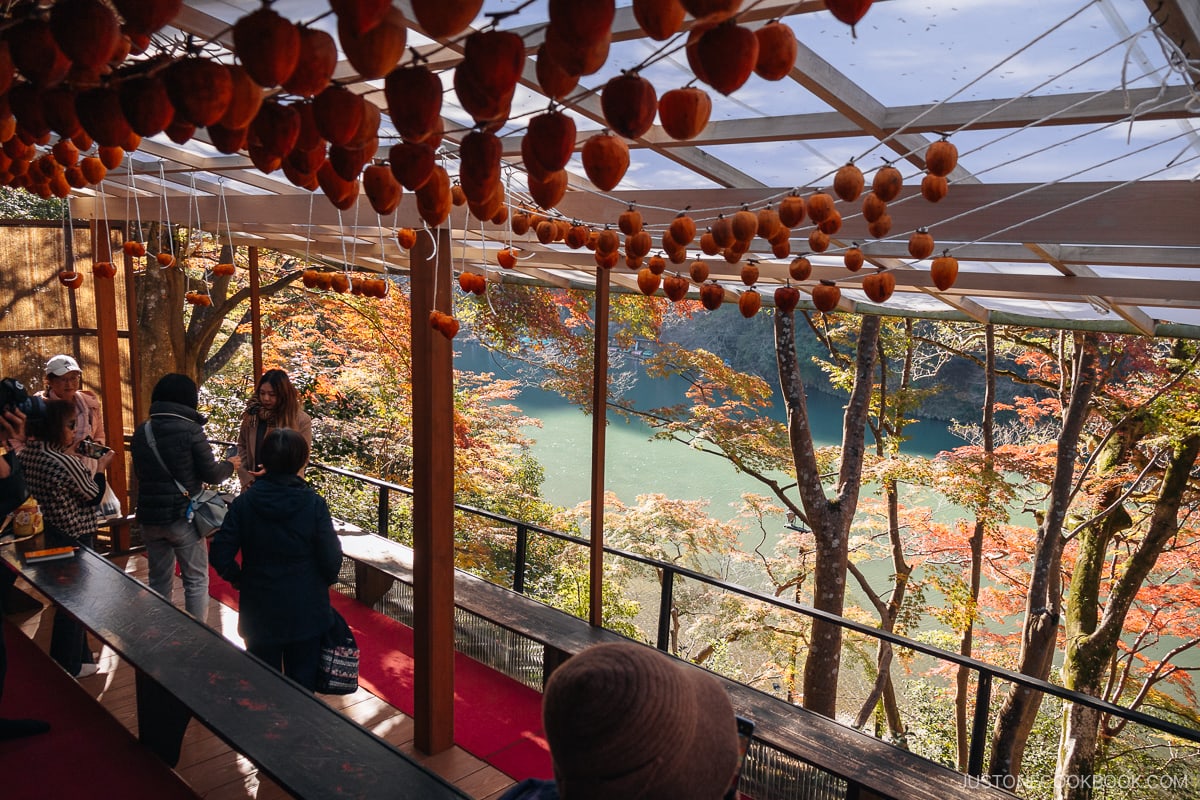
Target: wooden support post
110,368
255,313
433,498
599,423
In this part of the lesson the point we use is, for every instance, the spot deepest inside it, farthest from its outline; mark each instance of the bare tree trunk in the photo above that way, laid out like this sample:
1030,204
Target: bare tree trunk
159,318
888,612
962,679
1090,645
165,343
1044,602
830,520
1077,753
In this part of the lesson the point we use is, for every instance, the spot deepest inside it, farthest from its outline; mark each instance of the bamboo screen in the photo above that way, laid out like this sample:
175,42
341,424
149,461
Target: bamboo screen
39,317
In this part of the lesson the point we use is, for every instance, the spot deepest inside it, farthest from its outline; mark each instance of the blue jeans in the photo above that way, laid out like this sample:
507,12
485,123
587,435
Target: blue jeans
179,541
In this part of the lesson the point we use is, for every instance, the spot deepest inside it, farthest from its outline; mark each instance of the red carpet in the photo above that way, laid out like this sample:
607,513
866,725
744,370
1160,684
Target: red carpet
496,718
86,753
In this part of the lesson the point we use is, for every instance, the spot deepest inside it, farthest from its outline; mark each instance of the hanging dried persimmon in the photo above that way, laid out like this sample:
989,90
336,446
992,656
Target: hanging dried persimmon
268,46
941,158
849,11
660,19
826,295
629,103
848,182
786,299
944,270
605,160
920,244
777,49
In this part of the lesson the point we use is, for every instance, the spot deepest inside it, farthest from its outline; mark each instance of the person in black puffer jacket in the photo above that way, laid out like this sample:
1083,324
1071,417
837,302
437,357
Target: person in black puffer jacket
161,508
290,558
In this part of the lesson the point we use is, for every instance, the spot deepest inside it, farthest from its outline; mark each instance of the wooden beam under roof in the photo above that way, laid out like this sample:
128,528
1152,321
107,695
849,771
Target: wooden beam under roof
1145,223
853,102
1134,316
577,268
1180,21
1084,108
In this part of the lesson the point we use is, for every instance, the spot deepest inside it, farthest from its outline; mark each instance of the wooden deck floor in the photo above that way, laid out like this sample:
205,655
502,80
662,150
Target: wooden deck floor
212,769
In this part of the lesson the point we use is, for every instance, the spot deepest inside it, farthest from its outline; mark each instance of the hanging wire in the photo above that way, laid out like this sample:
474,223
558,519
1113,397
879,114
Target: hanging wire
199,229
1177,63
308,239
1019,157
342,237
1072,204
1057,209
466,229
137,203
354,247
191,201
225,210
100,190
162,177
382,249
68,237
1052,29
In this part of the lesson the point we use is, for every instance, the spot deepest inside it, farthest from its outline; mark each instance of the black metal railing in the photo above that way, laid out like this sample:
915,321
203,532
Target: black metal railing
671,572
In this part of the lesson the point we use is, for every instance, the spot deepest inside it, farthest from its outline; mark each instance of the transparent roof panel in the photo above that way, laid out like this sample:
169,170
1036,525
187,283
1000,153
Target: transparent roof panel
1075,126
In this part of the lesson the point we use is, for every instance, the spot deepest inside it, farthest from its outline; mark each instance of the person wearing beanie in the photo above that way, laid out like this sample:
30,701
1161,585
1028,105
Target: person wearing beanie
169,535
176,388
627,721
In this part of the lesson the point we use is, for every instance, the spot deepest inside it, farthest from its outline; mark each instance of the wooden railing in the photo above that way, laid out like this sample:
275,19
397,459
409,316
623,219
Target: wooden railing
988,674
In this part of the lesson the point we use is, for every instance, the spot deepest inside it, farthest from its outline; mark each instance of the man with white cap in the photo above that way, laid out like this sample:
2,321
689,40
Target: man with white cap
64,381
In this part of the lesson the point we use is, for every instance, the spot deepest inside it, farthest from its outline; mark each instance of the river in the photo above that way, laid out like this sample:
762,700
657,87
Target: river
635,464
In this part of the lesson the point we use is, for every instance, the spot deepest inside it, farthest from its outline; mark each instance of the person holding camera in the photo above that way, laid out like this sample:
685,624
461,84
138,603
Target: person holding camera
183,455
68,494
276,404
64,381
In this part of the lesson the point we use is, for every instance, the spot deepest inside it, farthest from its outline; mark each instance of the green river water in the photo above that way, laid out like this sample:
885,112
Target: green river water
635,464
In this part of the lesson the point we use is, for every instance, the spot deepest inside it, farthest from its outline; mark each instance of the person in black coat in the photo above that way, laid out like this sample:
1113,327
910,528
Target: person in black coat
12,493
290,558
169,535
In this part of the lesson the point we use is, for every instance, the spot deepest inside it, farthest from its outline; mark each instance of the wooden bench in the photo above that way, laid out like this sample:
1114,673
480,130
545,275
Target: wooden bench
187,670
115,535
870,767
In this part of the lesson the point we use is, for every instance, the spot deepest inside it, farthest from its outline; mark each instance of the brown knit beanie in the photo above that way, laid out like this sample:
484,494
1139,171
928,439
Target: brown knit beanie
626,721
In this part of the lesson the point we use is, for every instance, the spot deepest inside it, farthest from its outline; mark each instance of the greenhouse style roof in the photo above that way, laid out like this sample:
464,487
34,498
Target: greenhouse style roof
1074,201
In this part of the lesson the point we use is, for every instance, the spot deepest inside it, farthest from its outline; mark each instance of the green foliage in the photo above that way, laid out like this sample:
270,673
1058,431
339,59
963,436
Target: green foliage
20,204
929,710
570,587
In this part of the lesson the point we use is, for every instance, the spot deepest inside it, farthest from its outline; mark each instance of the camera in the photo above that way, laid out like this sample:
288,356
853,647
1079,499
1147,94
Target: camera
91,448
13,397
